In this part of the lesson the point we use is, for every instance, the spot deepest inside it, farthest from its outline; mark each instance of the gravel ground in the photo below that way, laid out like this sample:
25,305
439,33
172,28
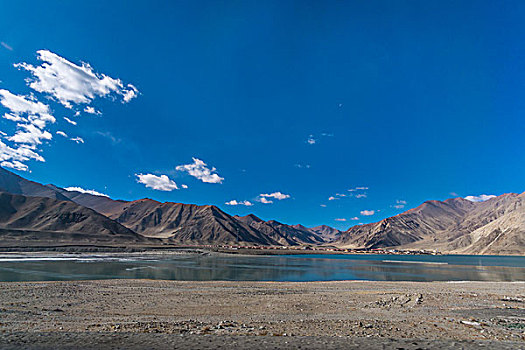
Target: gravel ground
314,315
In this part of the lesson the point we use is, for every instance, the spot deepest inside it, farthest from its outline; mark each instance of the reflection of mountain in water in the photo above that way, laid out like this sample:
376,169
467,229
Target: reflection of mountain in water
256,268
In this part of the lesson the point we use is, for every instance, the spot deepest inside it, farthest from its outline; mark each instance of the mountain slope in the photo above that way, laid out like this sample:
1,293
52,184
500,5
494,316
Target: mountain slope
456,225
327,233
186,223
12,183
40,218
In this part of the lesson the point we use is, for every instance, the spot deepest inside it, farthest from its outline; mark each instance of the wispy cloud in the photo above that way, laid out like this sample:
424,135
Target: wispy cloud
6,46
480,198
368,212
302,166
70,121
361,188
199,170
108,135
400,204
235,202
354,218
332,198
70,83
159,183
77,139
311,140
81,190
61,133
340,219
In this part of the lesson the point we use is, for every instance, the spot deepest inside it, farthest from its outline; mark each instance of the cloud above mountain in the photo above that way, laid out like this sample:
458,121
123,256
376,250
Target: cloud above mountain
81,190
235,202
480,198
200,170
159,183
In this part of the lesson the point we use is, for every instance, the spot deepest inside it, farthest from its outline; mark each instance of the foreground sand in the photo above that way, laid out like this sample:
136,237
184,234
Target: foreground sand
172,314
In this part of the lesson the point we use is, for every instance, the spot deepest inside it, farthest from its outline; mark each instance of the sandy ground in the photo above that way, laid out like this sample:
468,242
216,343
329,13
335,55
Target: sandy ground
250,315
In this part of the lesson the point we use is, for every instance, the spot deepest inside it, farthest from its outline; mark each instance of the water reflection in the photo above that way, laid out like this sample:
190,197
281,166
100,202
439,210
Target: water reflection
274,268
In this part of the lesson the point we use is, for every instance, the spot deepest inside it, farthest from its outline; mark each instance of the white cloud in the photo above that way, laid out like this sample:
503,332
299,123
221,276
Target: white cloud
480,198
160,183
311,140
61,133
234,202
70,121
71,84
15,164
367,212
81,190
13,118
264,200
14,158
199,170
25,105
277,195
130,94
32,118
31,135
184,186
354,218
340,219
91,110
360,195
332,198
77,139
340,195
322,205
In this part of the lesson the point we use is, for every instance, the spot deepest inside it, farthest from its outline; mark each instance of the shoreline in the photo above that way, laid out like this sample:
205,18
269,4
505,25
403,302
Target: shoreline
148,249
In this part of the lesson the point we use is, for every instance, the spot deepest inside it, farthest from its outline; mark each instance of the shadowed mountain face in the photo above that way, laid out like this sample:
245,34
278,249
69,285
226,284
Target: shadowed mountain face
282,233
12,183
496,226
40,218
329,234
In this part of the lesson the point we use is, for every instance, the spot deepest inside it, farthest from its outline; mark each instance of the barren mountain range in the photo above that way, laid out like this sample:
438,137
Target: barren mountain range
31,212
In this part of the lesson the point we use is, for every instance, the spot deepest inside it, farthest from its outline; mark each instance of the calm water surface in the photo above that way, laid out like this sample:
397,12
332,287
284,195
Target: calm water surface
310,267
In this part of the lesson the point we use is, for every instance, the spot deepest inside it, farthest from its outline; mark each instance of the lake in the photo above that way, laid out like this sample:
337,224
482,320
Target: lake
304,267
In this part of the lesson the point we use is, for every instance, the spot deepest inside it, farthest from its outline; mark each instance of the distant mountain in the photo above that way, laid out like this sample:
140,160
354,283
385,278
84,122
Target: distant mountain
48,219
282,233
327,233
496,226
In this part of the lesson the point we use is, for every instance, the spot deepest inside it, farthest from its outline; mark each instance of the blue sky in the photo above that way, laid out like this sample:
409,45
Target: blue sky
291,102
